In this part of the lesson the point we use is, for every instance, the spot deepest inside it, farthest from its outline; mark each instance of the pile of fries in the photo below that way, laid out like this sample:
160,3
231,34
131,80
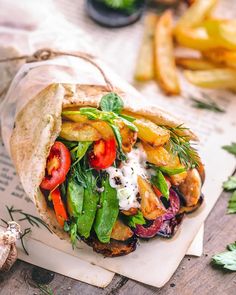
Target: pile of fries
198,30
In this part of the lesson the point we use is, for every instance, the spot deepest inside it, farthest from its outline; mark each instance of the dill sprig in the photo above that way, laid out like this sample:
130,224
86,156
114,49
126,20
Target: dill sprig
26,232
181,146
33,220
209,105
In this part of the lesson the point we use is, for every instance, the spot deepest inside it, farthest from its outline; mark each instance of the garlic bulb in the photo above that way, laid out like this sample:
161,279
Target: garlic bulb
8,252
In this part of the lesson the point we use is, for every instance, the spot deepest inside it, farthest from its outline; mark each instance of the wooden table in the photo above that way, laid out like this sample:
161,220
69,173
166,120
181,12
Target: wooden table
194,275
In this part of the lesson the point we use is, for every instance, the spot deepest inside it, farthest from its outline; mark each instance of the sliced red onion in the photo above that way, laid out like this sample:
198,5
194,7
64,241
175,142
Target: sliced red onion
174,205
150,231
169,227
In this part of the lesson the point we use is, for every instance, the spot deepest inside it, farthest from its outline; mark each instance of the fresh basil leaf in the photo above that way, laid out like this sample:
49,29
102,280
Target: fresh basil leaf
116,131
230,148
160,182
226,259
232,204
82,149
230,184
132,221
171,171
111,102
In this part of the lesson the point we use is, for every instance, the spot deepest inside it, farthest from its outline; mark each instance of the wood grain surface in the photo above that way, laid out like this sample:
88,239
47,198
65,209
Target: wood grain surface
194,275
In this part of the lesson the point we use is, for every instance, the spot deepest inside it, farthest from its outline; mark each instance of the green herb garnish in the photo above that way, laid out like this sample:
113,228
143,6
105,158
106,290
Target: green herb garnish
132,221
226,259
230,148
181,147
160,182
206,105
230,184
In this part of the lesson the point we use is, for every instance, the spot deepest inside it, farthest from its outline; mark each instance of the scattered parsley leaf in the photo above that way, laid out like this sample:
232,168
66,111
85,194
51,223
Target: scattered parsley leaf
226,259
230,148
230,184
232,204
160,182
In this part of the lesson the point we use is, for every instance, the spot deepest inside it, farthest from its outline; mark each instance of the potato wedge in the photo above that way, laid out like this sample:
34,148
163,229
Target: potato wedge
156,155
222,57
151,206
195,64
191,187
174,162
151,133
166,72
121,232
74,116
103,128
79,132
195,14
217,78
145,62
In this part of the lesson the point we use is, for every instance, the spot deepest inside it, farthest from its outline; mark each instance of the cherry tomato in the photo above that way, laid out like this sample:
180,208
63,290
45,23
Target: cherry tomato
58,165
103,154
157,191
59,207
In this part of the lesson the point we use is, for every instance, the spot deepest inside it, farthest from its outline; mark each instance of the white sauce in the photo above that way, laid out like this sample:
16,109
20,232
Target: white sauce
127,174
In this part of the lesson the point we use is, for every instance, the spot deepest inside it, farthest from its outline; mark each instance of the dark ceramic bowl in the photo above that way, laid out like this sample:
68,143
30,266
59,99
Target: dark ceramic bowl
113,18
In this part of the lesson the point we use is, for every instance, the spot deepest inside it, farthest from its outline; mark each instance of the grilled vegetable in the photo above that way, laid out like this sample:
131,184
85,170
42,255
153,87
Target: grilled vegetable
128,136
166,72
107,213
59,207
151,206
169,227
151,133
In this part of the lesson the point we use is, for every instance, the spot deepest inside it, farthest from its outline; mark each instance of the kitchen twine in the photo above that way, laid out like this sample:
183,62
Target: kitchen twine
46,54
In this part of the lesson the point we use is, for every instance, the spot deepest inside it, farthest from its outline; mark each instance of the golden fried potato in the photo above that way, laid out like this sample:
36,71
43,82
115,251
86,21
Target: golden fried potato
174,163
151,133
103,128
221,56
145,62
128,136
158,156
79,132
130,212
191,187
216,78
166,71
195,63
121,232
195,14
151,206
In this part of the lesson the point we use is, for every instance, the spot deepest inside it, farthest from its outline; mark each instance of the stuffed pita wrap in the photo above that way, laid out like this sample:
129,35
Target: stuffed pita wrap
100,164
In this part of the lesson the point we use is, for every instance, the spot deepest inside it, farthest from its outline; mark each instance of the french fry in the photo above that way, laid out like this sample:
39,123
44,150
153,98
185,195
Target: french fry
222,30
222,57
145,61
195,64
197,39
195,14
166,72
217,78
